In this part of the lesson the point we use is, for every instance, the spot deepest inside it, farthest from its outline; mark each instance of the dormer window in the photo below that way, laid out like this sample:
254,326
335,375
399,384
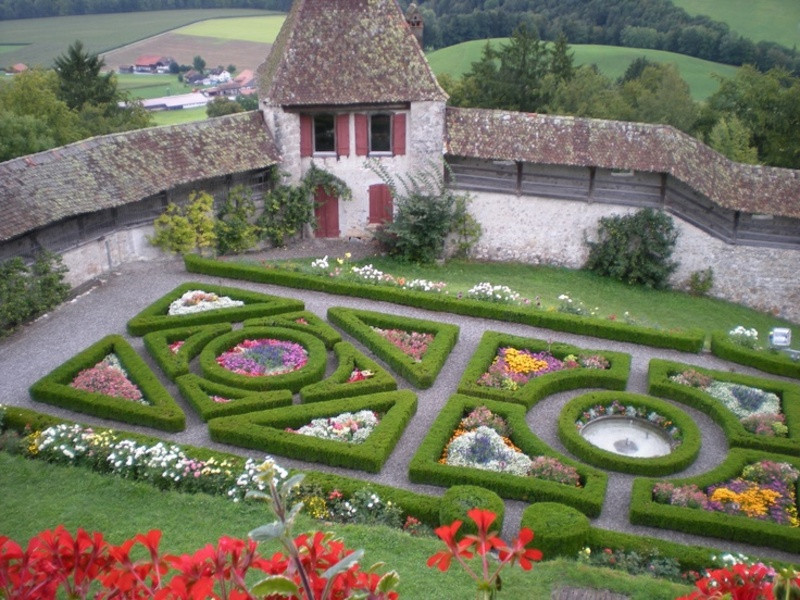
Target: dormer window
324,133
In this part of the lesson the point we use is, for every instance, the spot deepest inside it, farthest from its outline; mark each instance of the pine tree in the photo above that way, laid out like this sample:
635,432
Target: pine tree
80,80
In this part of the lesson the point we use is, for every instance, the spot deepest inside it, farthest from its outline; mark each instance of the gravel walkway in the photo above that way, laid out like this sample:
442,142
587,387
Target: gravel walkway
38,348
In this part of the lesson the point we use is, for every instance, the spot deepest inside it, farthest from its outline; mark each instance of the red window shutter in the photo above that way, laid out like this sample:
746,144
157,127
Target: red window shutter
399,134
380,203
362,135
343,135
306,135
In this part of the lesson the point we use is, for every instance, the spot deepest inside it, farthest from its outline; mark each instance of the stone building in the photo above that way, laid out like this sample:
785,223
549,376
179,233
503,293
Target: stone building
347,86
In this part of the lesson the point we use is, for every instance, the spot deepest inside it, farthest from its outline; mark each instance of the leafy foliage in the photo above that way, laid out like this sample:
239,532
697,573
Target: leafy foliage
80,80
635,248
222,106
182,230
234,230
28,291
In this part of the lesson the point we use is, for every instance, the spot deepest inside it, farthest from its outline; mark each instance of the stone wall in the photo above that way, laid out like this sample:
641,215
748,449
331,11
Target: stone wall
544,231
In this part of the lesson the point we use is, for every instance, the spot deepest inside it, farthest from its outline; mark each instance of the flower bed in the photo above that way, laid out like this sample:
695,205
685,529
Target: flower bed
512,368
352,428
412,343
305,321
110,378
765,491
769,361
195,301
263,357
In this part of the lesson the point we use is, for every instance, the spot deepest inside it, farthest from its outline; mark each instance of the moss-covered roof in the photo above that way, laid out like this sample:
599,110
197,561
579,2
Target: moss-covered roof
344,52
113,170
548,139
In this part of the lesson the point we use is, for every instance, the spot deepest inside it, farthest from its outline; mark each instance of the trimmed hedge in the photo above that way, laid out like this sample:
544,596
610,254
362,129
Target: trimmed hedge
313,371
459,499
685,341
161,413
614,378
763,360
738,436
645,511
426,468
315,325
358,323
266,430
198,391
336,386
559,530
680,458
155,316
175,364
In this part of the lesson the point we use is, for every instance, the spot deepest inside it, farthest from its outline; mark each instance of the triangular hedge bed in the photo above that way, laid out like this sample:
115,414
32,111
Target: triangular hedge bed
266,430
294,320
175,364
200,394
426,468
528,394
161,413
155,316
359,323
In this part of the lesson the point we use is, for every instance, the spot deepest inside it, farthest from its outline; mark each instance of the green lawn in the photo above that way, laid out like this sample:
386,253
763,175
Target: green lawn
173,117
248,29
39,496
151,86
771,20
47,38
611,60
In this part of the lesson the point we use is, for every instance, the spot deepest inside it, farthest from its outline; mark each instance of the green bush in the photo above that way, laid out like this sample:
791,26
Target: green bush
459,499
559,530
303,320
685,341
161,412
266,430
763,360
199,393
233,228
635,248
789,393
359,323
426,468
677,460
615,377
175,364
29,291
181,230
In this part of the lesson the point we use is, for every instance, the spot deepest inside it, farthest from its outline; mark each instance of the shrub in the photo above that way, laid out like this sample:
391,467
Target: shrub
235,233
701,282
459,499
181,230
635,248
560,530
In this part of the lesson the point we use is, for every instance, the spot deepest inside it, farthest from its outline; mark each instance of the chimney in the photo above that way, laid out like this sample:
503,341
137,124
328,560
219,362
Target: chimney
414,20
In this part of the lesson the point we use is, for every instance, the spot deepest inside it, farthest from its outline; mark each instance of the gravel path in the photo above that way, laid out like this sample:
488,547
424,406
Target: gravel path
105,308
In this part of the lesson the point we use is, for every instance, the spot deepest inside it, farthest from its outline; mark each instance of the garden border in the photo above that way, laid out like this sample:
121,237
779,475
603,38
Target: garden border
196,337
769,362
197,391
316,325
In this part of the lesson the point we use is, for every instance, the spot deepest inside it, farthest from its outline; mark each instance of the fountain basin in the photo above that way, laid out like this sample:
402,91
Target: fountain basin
627,436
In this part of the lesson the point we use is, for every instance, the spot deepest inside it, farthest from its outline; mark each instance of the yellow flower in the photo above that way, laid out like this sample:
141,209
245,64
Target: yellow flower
523,363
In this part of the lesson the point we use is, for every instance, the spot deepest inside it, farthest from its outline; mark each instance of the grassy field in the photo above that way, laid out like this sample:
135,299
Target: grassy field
39,496
250,29
771,20
43,39
151,86
611,60
173,117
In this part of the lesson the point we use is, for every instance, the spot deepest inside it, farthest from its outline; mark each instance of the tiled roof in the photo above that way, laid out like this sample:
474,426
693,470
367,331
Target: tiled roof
113,170
340,52
555,140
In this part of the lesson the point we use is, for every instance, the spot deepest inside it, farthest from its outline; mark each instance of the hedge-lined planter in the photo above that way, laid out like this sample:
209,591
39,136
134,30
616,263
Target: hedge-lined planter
161,412
738,436
175,364
336,385
614,378
199,393
559,530
155,316
646,511
314,325
358,323
266,430
685,341
425,466
313,371
680,458
763,360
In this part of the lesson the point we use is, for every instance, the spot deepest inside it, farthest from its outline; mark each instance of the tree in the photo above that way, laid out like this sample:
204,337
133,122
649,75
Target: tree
22,134
231,69
660,95
221,106
590,94
562,60
732,138
80,80
199,64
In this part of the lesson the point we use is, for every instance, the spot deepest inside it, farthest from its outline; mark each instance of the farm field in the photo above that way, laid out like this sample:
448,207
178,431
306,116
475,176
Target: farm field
174,117
248,29
39,41
151,86
771,20
611,60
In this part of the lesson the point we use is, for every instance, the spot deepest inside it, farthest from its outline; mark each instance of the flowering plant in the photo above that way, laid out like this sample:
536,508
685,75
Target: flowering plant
175,346
359,375
195,301
264,357
353,428
110,378
501,294
482,416
744,337
412,343
575,307
488,580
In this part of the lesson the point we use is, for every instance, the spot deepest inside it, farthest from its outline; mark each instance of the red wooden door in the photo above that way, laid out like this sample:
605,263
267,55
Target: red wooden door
326,210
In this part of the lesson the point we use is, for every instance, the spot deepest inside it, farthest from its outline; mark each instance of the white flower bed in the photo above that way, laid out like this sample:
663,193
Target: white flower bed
346,427
744,401
195,301
483,448
494,293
